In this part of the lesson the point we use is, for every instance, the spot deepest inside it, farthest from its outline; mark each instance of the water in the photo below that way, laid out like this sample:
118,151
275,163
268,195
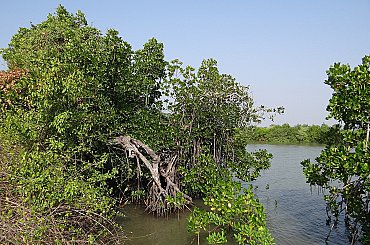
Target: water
144,229
295,215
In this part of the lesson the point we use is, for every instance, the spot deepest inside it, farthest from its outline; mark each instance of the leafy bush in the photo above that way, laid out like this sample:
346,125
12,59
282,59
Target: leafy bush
233,213
343,167
79,89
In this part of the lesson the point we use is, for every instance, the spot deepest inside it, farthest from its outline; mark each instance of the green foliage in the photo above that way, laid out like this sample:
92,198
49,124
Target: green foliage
81,89
350,100
206,172
217,238
51,182
343,167
233,212
208,102
247,165
286,134
207,110
77,75
27,218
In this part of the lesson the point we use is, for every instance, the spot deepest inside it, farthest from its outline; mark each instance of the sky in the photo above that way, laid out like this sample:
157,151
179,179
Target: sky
280,48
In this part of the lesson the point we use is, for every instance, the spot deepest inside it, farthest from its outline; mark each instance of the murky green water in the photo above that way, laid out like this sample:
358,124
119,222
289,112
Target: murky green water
144,229
295,215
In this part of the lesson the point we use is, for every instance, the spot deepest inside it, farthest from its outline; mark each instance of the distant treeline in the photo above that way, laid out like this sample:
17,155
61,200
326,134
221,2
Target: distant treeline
286,134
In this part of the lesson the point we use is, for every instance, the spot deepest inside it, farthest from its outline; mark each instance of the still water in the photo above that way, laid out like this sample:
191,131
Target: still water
295,214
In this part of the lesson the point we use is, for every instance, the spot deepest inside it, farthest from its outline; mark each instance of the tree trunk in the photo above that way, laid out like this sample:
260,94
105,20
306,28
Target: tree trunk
164,170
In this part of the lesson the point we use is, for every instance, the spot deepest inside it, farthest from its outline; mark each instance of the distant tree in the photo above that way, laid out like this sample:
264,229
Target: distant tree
287,134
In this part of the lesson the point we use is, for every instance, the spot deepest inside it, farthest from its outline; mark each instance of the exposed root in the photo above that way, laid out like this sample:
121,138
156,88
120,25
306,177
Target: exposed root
164,184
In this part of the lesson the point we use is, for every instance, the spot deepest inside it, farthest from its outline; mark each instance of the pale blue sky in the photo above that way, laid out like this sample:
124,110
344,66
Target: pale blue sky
280,48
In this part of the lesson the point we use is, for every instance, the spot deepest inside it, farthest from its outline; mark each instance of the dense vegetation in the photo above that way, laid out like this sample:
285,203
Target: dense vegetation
87,123
286,134
343,167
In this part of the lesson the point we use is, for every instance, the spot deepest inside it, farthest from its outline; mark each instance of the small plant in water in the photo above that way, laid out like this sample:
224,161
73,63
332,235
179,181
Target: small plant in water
177,202
232,211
